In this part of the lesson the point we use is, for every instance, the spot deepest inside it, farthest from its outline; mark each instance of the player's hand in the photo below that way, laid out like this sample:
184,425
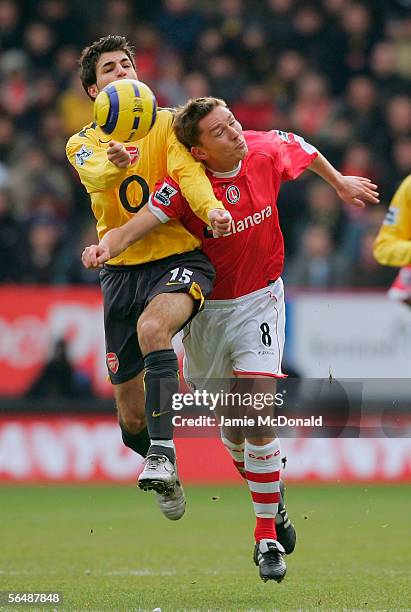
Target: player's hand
95,255
118,154
220,221
358,191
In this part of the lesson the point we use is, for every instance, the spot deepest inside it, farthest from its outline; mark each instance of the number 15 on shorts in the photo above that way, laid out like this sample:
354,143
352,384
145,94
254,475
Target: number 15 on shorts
177,277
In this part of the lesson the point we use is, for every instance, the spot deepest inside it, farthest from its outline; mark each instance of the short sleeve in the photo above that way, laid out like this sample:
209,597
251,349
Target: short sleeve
295,155
166,202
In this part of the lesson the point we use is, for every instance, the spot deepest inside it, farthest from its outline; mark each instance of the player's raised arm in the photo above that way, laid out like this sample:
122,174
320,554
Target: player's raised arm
355,190
116,240
392,246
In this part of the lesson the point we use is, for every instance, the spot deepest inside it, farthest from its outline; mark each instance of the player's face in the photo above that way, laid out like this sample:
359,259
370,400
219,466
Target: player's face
222,145
111,66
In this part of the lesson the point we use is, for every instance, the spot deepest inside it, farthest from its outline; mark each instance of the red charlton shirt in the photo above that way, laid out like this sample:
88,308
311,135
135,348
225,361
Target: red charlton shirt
252,254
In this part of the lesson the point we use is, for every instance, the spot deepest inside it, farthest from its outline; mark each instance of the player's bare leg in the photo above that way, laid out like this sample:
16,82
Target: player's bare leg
129,398
160,321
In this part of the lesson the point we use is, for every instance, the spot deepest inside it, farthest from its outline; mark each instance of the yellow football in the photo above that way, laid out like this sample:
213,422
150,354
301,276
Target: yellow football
125,110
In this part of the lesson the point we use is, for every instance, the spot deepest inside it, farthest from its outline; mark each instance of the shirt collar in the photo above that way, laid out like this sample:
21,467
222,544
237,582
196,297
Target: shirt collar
229,174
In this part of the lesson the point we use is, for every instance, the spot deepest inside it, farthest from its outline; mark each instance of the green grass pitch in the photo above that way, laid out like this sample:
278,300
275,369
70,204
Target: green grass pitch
109,548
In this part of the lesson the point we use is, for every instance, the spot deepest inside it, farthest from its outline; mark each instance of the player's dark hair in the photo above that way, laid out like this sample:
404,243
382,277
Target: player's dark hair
188,116
90,56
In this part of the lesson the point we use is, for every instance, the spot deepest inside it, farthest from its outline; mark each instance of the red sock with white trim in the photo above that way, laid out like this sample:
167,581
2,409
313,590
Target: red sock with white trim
262,469
237,454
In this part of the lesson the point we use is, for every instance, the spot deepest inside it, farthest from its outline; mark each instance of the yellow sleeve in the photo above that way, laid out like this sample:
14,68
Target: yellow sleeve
96,172
191,177
392,246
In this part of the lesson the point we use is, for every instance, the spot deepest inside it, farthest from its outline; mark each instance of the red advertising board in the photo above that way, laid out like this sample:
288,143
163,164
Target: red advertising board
33,318
90,449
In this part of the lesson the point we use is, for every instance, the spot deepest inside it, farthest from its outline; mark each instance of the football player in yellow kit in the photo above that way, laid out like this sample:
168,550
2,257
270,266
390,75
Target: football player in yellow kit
392,246
154,287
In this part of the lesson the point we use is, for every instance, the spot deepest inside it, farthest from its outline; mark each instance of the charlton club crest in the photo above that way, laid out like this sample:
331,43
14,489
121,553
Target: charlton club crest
112,362
232,194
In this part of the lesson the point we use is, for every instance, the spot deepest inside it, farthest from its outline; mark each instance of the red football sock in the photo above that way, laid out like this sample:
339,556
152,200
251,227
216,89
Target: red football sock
264,529
262,469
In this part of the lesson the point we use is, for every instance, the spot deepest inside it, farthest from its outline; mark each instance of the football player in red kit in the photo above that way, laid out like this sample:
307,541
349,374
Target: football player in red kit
241,329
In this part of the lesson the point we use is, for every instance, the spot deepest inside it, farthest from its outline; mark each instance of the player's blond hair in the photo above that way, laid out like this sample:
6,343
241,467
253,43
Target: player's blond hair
188,117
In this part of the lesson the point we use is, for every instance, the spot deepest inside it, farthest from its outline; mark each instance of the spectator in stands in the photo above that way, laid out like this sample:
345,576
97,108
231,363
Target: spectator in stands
148,51
34,172
179,25
401,157
385,70
74,107
279,23
256,109
40,43
15,89
337,70
11,145
324,209
117,17
365,272
59,379
44,243
73,271
210,43
360,31
315,265
313,107
196,85
291,65
64,18
227,77
10,25
398,115
170,85
11,242
362,110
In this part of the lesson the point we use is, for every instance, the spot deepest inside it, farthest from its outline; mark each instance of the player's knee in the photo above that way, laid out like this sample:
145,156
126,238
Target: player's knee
131,414
131,423
152,335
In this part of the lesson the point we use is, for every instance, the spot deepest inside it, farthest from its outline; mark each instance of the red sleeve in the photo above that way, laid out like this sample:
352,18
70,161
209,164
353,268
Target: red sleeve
166,202
296,155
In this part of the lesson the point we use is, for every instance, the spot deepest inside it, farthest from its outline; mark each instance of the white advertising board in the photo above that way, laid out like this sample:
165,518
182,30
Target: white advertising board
350,336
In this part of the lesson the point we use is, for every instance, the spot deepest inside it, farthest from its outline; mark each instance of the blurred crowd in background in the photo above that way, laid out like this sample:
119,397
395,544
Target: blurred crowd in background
336,72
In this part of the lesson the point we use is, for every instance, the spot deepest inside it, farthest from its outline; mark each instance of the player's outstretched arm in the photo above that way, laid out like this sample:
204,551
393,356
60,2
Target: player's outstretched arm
356,190
116,240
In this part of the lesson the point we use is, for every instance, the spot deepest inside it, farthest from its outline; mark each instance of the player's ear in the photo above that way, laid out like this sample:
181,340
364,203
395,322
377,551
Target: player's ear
92,91
198,153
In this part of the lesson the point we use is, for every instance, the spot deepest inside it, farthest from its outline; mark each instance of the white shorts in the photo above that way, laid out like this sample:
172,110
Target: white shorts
240,336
